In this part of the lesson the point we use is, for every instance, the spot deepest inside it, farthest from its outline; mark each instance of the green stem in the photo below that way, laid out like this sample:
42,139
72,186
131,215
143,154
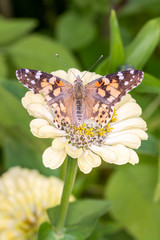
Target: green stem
70,176
63,170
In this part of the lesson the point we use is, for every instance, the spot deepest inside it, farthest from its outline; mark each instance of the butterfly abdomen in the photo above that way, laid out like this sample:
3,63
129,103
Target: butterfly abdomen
79,111
79,97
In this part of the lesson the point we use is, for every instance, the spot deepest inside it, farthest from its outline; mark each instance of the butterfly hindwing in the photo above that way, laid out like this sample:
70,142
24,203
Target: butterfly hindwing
98,110
65,109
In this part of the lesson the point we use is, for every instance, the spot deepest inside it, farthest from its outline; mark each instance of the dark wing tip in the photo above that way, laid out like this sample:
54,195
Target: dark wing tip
19,74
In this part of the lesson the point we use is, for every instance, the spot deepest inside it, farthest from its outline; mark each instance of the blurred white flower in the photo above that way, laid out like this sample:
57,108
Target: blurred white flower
24,196
113,144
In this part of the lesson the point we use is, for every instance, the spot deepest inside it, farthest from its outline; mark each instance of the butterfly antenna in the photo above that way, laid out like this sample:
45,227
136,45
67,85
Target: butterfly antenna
65,64
93,65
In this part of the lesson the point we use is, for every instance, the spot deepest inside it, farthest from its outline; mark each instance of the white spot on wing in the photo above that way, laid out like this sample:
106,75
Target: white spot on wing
132,71
38,74
26,71
119,74
33,82
121,77
125,83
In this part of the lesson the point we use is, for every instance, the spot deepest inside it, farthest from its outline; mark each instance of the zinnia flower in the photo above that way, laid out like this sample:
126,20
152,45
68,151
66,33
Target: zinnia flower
88,142
25,195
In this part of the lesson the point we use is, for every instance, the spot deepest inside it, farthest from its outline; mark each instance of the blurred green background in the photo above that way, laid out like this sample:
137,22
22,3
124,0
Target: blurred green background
31,33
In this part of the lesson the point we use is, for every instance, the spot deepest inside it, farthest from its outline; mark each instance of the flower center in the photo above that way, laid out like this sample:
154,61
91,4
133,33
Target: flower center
29,225
88,133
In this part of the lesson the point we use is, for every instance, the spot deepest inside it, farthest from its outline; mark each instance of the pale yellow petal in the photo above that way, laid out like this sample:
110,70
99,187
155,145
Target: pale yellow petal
73,73
53,158
39,111
128,139
133,159
11,235
30,98
73,151
117,154
128,110
48,131
129,124
125,99
41,128
122,154
59,143
60,73
36,124
83,164
139,132
89,76
93,159
105,153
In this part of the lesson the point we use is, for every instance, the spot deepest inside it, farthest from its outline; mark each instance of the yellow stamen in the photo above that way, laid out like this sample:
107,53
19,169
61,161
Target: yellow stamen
89,132
114,116
81,127
102,132
109,129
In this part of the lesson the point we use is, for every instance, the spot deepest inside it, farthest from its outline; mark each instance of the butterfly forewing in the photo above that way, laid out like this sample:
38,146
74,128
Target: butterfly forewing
52,87
32,79
111,88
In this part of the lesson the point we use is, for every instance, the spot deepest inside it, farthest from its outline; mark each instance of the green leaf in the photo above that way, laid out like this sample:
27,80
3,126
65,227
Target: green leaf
131,191
150,84
149,147
46,232
139,7
12,112
82,215
11,30
140,49
88,55
39,52
75,31
3,66
71,236
25,152
157,191
13,87
103,68
17,151
116,47
116,57
104,230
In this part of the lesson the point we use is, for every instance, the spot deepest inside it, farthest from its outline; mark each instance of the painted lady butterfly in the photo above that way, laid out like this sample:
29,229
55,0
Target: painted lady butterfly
76,103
